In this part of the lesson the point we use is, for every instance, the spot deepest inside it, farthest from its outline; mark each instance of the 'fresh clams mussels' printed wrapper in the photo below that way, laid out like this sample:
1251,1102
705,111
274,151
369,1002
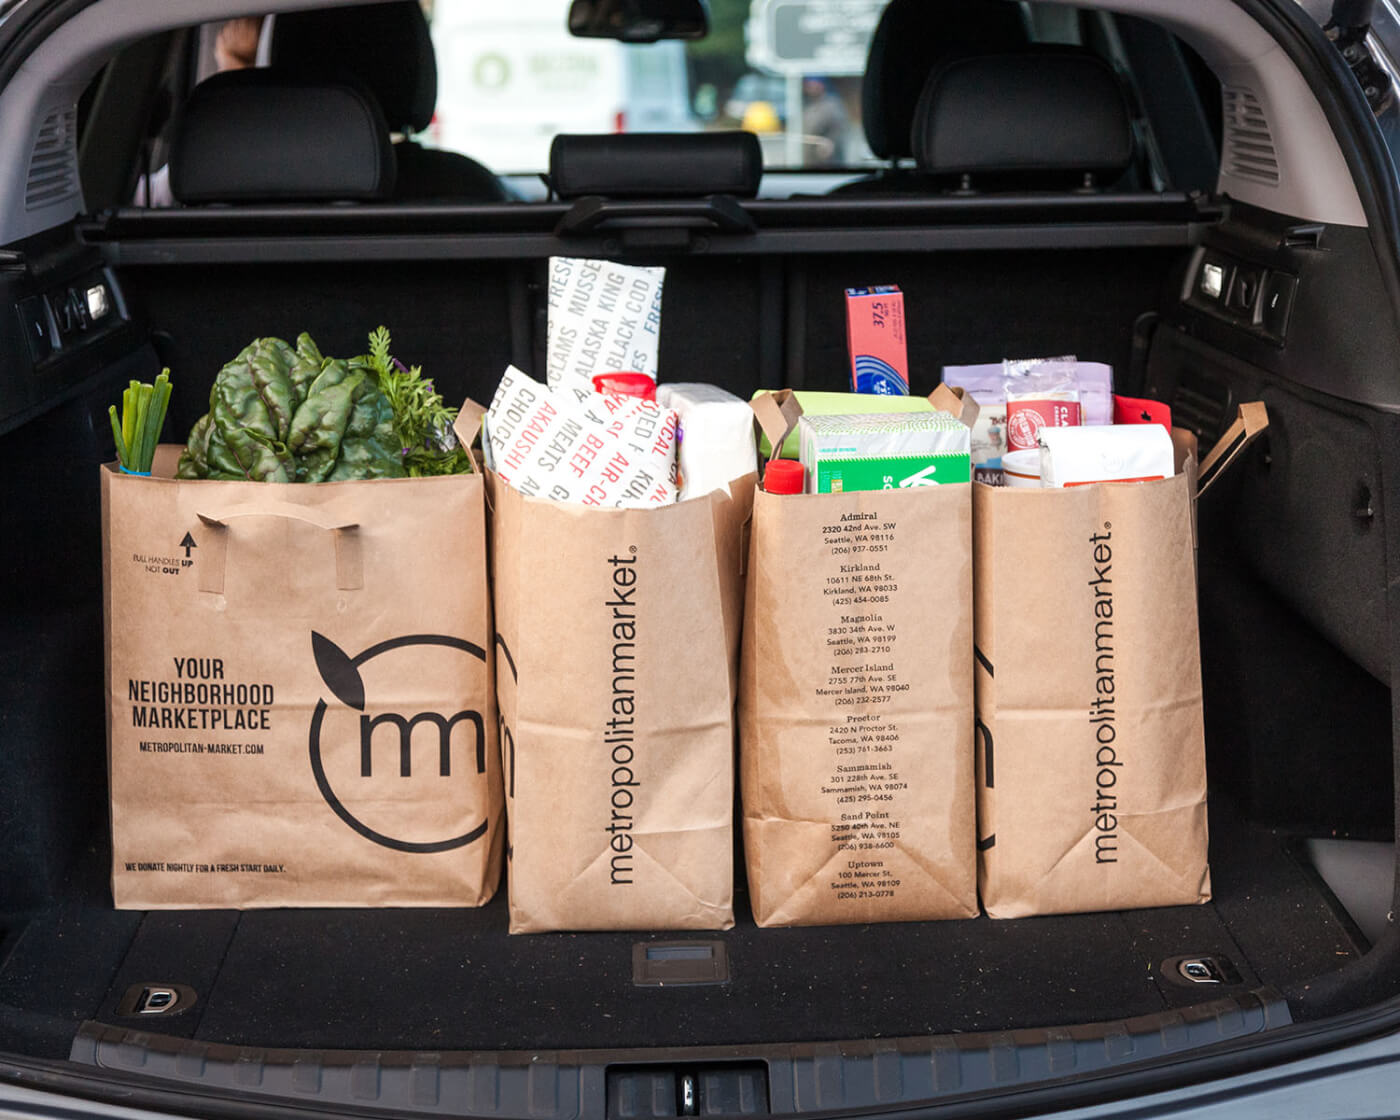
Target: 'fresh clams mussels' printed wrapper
594,449
603,318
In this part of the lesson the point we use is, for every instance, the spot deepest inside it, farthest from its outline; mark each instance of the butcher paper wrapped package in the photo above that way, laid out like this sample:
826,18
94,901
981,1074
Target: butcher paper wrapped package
604,317
595,449
300,702
617,645
856,752
1091,754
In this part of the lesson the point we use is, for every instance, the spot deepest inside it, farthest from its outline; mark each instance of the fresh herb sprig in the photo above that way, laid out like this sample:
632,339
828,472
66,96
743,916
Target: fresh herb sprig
137,429
421,418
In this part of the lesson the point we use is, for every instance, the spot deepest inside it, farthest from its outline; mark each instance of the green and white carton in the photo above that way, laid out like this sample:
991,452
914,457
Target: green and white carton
890,452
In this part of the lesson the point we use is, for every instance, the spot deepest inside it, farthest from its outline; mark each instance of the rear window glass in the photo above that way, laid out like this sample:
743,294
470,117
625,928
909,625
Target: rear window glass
511,78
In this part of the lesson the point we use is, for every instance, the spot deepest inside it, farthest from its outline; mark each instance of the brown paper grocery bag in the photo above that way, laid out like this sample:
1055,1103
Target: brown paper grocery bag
1091,750
856,708
856,764
301,708
617,645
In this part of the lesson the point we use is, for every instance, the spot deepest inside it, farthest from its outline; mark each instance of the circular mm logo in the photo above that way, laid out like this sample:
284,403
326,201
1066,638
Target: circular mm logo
342,676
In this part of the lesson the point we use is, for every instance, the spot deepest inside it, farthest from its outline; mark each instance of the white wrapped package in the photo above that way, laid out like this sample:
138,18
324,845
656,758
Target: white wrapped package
602,450
603,318
716,441
1107,453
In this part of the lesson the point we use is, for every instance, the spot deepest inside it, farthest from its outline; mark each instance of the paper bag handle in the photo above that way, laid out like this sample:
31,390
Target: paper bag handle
349,561
467,427
1250,423
777,414
957,401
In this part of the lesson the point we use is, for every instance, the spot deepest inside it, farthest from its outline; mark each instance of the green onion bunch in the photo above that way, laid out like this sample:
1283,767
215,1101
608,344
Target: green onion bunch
136,431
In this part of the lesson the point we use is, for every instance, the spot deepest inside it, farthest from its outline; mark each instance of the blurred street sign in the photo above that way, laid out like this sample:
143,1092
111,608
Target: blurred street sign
829,37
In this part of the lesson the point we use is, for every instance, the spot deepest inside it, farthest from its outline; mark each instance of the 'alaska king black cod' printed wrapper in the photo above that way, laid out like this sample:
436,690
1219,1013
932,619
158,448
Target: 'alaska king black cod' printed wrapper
603,318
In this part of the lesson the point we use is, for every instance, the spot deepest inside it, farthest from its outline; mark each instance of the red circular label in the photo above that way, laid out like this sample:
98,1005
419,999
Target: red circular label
1023,429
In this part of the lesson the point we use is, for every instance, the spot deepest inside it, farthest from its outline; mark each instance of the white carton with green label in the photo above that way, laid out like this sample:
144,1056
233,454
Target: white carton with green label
890,452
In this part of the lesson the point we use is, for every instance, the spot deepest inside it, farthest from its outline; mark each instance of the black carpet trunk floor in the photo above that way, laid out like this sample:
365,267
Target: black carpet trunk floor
454,979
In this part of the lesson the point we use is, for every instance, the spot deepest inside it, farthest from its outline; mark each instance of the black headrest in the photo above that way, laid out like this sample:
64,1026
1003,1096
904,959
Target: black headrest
386,47
909,41
656,165
266,136
1046,115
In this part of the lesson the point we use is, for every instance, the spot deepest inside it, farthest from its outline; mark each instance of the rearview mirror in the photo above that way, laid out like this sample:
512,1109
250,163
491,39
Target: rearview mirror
638,21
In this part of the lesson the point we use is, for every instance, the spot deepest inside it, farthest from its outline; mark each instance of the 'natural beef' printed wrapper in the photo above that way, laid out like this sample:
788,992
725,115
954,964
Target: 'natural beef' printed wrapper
594,449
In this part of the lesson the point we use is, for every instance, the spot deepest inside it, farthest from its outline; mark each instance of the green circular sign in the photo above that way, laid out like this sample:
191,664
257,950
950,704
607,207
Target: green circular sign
491,71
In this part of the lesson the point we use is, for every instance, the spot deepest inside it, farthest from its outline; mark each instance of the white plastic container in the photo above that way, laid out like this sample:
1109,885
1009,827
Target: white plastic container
1021,469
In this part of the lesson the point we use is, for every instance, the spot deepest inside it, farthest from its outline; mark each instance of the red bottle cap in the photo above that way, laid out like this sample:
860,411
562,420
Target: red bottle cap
626,385
784,476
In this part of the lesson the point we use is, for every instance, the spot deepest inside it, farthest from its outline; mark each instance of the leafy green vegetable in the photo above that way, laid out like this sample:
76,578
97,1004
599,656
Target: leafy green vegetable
421,419
282,415
136,431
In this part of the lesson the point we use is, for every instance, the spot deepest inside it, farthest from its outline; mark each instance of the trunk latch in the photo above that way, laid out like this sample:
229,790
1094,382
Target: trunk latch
652,1092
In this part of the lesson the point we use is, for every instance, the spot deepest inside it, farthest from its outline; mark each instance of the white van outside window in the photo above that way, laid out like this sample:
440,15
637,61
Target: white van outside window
511,78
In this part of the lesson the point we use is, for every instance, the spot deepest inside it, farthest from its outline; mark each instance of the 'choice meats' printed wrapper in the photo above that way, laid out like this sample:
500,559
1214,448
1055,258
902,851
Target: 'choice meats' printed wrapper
594,449
603,318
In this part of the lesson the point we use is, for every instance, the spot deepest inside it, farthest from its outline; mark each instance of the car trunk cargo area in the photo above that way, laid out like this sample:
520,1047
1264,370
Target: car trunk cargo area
454,980
1295,640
